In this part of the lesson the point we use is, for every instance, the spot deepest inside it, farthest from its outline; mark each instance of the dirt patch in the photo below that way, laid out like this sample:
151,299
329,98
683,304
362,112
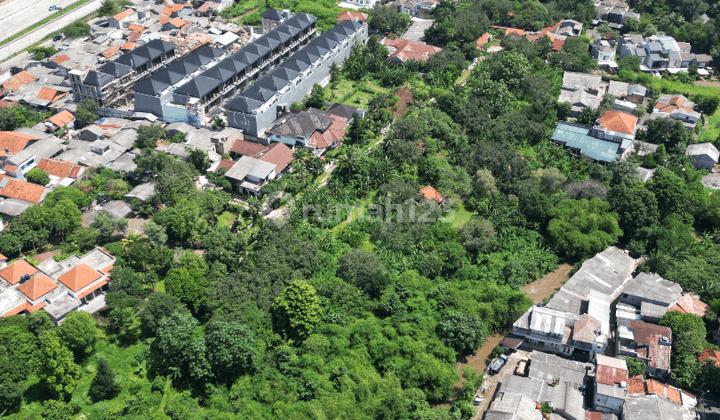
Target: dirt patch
402,105
548,285
47,255
706,83
244,14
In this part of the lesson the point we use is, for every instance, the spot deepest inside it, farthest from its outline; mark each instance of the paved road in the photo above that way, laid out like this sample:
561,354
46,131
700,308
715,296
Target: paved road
38,34
21,14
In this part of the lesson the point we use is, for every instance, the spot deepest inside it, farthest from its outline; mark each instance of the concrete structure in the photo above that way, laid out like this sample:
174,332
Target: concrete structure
55,287
660,53
703,155
582,90
549,368
548,328
596,143
611,384
123,19
249,175
677,107
650,342
197,86
512,406
272,18
142,192
604,53
255,109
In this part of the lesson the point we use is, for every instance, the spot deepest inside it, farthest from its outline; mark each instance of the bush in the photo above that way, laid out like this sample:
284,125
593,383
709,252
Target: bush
77,29
37,176
86,111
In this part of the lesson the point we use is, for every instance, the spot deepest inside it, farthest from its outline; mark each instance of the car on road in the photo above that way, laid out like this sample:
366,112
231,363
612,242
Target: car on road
53,7
478,399
57,37
497,364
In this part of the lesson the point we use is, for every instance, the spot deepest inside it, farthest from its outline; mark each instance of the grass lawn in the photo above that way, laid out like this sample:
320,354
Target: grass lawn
462,216
712,127
226,219
355,93
120,360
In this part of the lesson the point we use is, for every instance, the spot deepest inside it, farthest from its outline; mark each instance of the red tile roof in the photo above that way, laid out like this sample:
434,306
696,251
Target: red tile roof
129,46
2,257
484,38
666,391
593,415
60,59
62,118
636,385
24,307
618,122
137,28
79,277
354,16
125,13
164,19
6,104
133,36
38,286
92,288
14,271
432,194
713,355
22,190
168,11
651,335
510,31
248,148
408,50
111,51
690,305
279,155
59,168
18,80
13,141
227,164
178,23
206,6
558,45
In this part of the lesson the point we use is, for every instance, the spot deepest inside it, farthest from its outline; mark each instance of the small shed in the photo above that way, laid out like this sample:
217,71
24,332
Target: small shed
142,192
703,155
91,133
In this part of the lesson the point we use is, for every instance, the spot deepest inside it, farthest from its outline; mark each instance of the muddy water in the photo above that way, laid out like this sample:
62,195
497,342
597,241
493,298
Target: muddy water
537,291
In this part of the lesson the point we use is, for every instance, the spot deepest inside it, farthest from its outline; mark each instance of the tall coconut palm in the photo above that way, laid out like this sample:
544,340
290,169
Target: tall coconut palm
132,239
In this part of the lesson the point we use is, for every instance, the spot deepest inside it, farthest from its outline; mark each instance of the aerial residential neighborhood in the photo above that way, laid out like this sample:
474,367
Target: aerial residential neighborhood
360,209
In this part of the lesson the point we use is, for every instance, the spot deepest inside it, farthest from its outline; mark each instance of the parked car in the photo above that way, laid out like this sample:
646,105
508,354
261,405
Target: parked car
53,7
57,37
478,399
497,364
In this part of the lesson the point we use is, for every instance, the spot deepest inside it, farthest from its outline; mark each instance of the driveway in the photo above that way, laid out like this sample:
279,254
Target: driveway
416,31
491,382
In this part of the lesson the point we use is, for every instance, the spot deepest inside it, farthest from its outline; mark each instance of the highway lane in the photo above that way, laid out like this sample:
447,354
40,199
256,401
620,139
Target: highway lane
38,34
18,15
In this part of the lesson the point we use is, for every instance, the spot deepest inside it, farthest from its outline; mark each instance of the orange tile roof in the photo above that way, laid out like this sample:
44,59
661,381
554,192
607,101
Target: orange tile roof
279,155
13,141
137,28
111,51
133,36
206,6
484,38
713,355
168,11
52,95
79,277
2,257
689,305
19,79
676,101
618,122
62,118
60,59
164,19
558,45
125,13
107,269
350,15
10,168
552,28
636,385
432,194
22,190
510,31
38,286
93,288
14,271
227,164
129,46
6,104
178,23
408,50
58,168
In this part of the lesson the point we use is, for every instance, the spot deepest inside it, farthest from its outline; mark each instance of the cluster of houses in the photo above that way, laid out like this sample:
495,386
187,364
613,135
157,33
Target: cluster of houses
557,33
656,54
612,136
56,287
571,336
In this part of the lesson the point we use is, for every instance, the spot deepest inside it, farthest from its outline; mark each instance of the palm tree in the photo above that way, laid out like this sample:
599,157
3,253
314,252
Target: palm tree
131,239
351,158
303,156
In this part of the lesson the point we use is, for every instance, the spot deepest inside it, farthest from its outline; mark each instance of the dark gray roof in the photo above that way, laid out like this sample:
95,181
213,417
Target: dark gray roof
294,64
342,110
272,14
150,87
210,52
245,57
198,86
243,104
272,83
258,93
254,48
235,66
269,42
197,59
161,45
219,73
183,67
279,35
132,59
307,57
315,50
303,124
168,77
95,78
324,42
116,69
284,73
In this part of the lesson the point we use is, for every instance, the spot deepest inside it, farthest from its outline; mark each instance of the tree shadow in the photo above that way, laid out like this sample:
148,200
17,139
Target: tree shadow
37,392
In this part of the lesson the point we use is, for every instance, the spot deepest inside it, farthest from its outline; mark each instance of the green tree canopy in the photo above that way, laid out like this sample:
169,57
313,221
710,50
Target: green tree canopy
297,310
103,386
79,333
56,367
582,228
37,176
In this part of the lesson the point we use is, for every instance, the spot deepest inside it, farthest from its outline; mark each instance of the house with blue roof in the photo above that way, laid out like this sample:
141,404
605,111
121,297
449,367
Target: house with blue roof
597,143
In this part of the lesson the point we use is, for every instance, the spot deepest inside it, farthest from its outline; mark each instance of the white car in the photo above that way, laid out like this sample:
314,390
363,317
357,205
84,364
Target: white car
478,399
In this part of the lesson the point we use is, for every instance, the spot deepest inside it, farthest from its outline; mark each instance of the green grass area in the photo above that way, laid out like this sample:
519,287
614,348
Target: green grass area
462,215
160,286
355,93
226,219
44,21
712,127
120,359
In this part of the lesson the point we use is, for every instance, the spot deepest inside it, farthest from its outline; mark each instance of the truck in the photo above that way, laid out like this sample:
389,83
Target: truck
497,364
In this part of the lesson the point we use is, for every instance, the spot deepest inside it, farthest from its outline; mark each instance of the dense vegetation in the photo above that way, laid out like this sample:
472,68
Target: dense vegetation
361,299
